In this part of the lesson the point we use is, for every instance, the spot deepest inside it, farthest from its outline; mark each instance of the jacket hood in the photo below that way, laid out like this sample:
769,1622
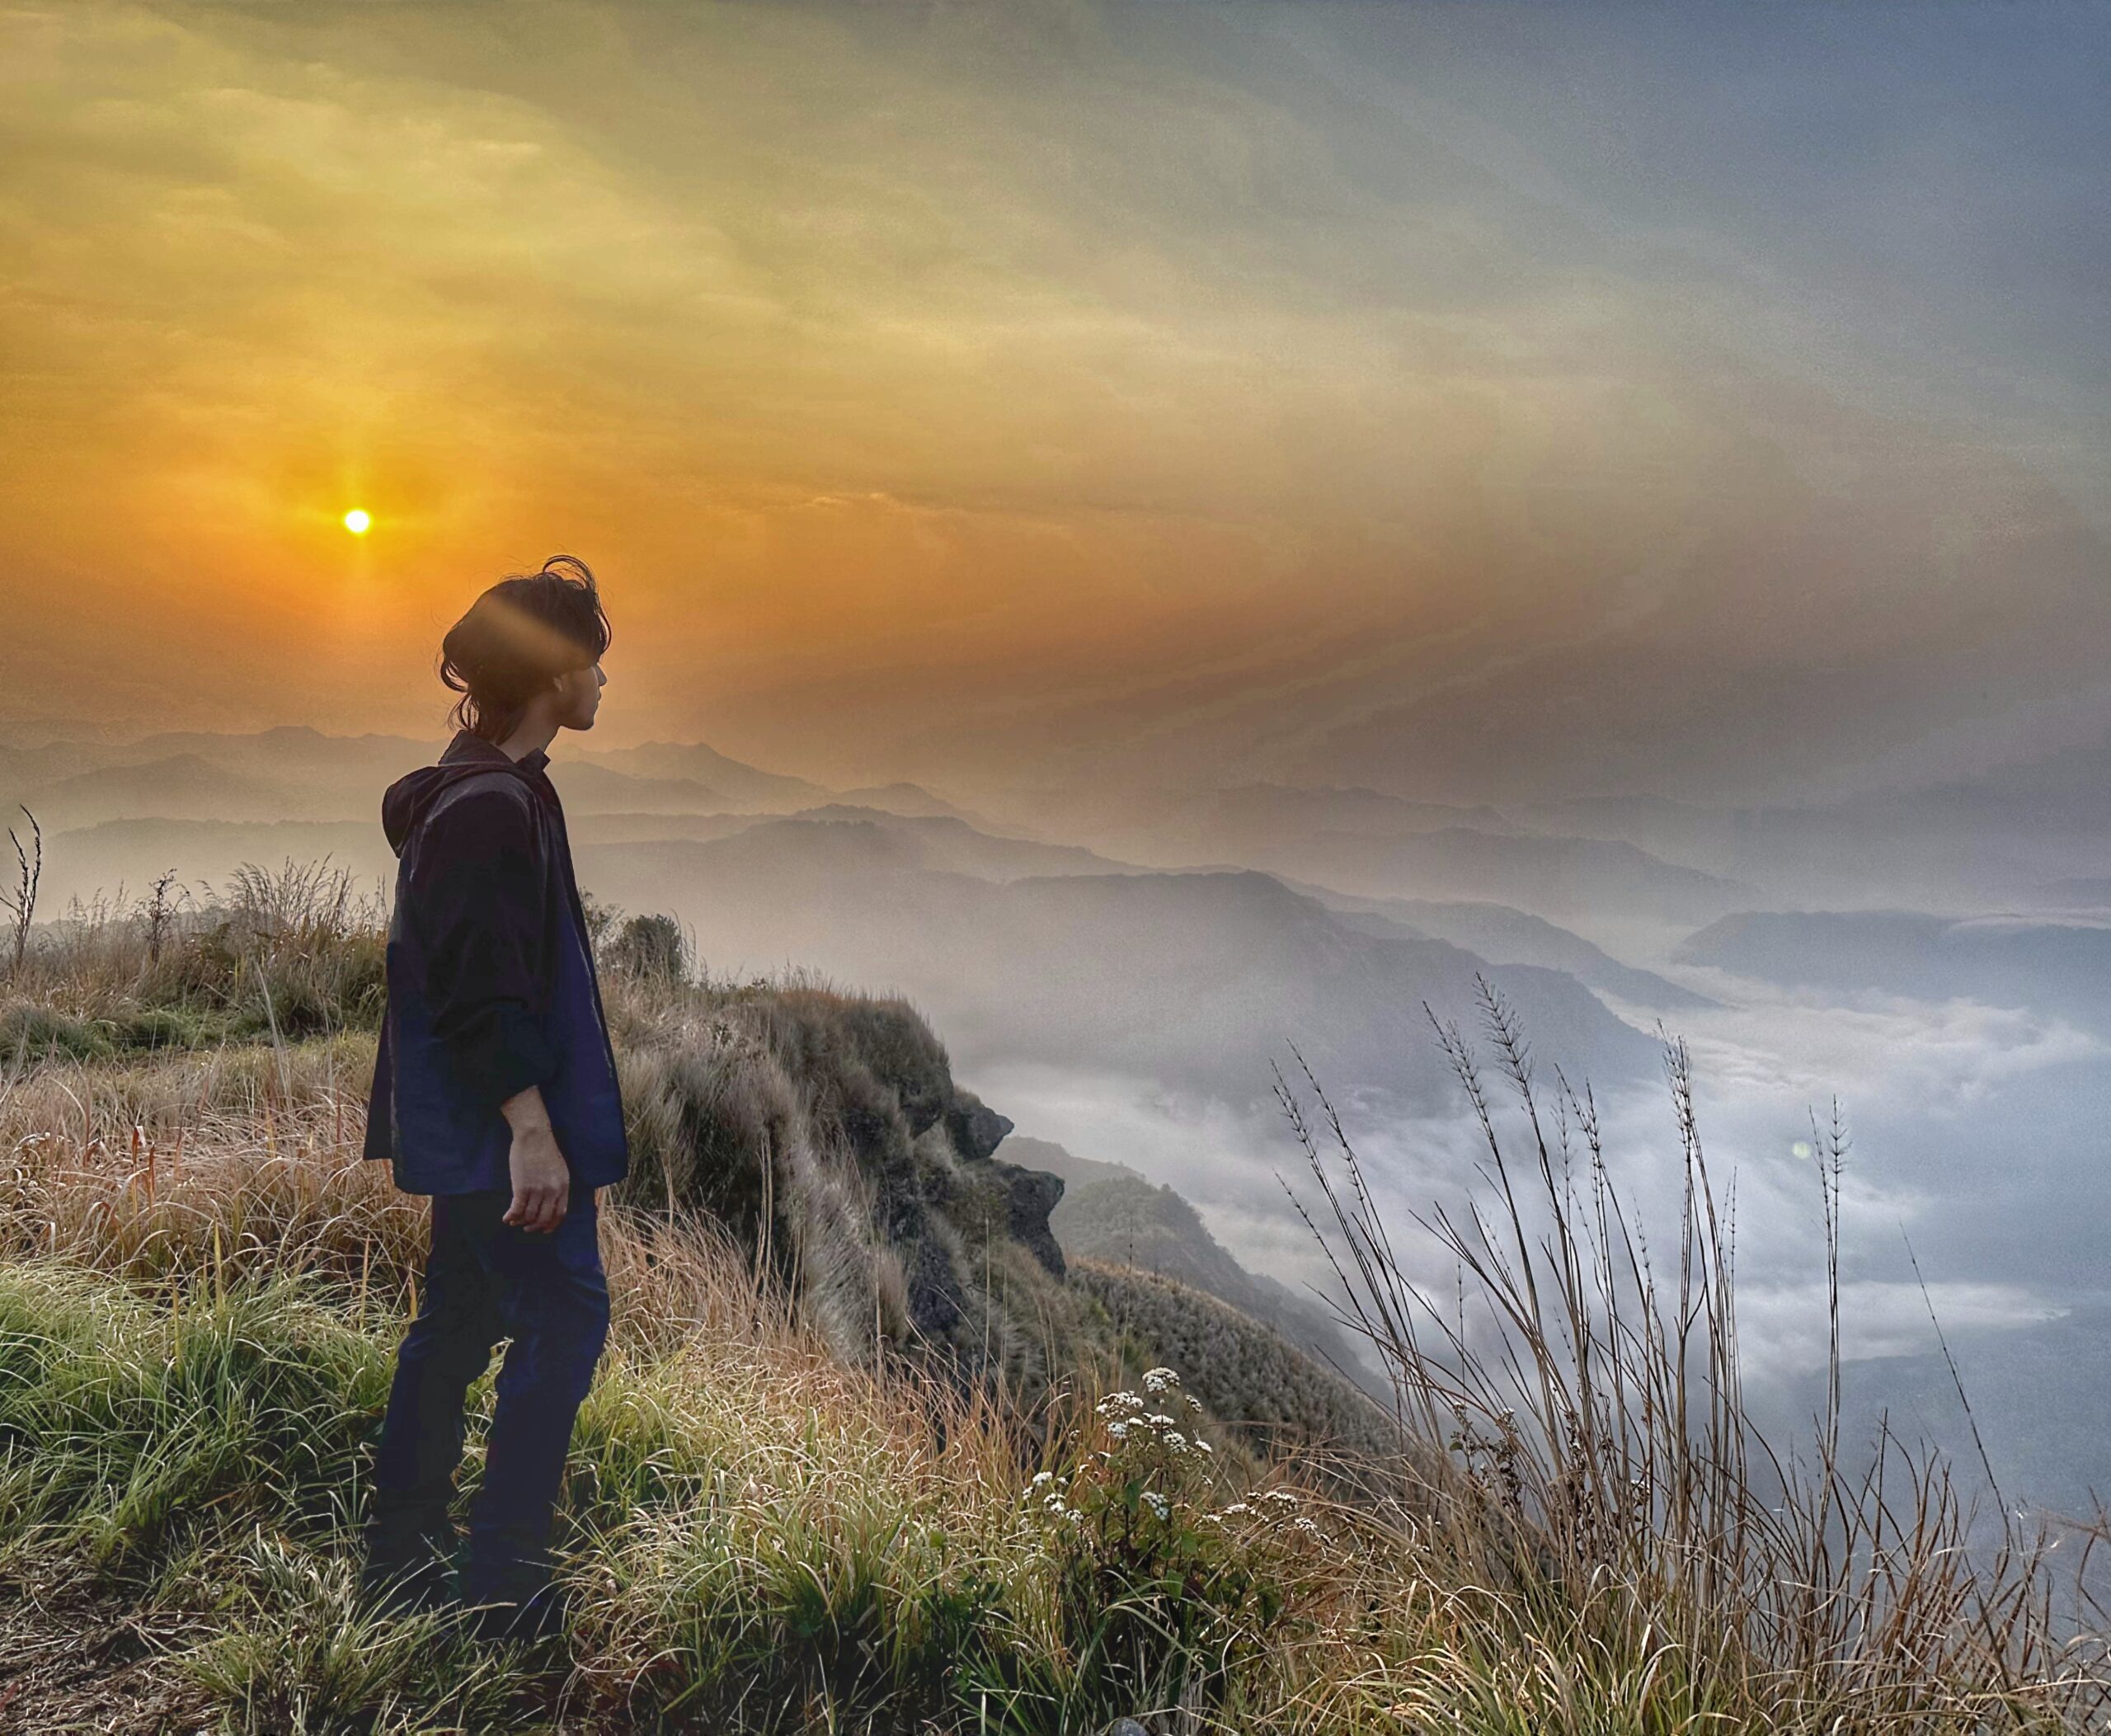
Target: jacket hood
405,801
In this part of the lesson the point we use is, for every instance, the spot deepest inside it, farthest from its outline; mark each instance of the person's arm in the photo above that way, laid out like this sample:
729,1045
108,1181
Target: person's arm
542,1180
481,895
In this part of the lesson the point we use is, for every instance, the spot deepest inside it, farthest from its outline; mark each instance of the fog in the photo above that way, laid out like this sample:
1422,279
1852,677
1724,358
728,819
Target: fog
1135,989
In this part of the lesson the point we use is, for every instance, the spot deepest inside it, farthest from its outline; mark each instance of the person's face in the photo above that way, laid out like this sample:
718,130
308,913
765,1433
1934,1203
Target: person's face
579,692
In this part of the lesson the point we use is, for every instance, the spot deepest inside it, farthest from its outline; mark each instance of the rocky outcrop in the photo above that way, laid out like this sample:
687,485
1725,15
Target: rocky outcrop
977,1130
1033,1195
827,1132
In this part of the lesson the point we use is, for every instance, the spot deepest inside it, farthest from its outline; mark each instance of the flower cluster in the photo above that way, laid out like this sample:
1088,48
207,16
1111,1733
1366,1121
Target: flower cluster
1152,1483
1051,1493
1130,1418
1152,1463
1148,1554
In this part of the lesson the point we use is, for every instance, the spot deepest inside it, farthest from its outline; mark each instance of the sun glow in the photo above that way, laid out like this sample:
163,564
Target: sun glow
357,520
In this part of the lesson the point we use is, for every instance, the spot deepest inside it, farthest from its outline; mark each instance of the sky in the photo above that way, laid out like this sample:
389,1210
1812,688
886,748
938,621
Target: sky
1468,401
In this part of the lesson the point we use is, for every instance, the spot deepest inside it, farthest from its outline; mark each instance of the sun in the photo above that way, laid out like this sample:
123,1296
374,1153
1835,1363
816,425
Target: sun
358,520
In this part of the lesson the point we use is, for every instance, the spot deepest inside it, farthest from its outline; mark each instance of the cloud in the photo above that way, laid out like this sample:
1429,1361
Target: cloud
1927,1090
1782,1328
1196,394
1890,1053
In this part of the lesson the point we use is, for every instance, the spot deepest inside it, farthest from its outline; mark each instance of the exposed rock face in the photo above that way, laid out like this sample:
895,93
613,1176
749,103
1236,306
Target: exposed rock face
976,1128
1033,1194
827,1129
937,1304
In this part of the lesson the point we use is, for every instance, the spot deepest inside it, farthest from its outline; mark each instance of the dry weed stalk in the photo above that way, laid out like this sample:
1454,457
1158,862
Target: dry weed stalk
22,903
1604,1474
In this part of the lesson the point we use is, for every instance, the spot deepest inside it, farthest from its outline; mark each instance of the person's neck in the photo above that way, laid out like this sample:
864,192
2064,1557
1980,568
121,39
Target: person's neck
531,733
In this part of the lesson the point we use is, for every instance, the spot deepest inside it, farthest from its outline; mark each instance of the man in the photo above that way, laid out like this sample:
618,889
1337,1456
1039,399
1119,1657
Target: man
495,1092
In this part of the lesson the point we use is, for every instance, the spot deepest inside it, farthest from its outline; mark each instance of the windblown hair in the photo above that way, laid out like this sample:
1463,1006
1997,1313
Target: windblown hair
518,636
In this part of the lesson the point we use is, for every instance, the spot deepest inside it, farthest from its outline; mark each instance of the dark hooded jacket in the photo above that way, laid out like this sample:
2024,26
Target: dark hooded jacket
491,984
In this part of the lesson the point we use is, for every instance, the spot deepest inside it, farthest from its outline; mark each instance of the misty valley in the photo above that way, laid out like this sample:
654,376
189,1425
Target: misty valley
1121,972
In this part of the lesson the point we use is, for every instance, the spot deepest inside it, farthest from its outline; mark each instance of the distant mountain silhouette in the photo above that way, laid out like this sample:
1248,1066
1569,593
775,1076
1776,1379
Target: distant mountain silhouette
1222,819
912,800
1592,884
1505,936
1026,949
743,785
1996,836
1371,845
588,788
183,787
1196,978
2065,791
191,786
942,842
294,773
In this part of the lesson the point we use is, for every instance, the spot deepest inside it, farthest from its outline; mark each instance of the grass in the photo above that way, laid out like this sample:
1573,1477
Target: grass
762,1538
201,1287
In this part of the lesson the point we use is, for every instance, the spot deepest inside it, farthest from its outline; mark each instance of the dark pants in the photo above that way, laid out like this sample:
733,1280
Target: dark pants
484,1278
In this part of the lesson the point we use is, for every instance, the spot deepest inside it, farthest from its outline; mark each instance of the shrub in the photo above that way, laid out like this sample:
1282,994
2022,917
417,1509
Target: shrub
651,948
1166,1591
33,1031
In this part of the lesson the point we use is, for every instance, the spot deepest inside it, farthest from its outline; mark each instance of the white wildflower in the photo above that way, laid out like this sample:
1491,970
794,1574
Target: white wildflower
1158,1379
1156,1502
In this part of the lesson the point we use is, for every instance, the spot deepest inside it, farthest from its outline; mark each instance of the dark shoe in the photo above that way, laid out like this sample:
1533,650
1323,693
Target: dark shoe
532,1620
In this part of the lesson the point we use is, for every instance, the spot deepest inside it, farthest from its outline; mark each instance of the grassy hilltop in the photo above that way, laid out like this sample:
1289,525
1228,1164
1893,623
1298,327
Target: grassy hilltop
866,1451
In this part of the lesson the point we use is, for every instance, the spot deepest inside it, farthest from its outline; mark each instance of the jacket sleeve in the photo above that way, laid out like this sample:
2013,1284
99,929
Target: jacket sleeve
480,890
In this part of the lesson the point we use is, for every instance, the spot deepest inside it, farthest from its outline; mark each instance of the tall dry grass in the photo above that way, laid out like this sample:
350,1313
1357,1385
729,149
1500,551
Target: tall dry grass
276,955
1607,1493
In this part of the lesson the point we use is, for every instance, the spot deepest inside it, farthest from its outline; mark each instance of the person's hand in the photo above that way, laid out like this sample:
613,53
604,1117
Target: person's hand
541,1181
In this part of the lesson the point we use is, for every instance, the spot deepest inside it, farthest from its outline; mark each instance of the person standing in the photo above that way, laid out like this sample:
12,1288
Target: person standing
495,1092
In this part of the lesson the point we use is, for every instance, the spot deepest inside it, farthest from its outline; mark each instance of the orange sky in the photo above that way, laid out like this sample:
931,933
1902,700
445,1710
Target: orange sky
1050,390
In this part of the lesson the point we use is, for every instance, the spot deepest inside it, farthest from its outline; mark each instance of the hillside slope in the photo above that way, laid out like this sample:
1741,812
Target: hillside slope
827,1132
1112,1214
1280,1400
